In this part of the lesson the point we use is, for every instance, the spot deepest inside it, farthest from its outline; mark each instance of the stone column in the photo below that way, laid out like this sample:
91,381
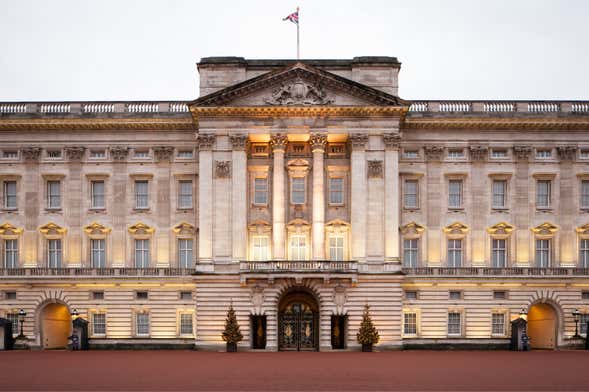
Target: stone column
522,206
567,205
73,205
33,196
359,196
205,197
318,142
120,179
163,155
278,143
239,202
391,193
433,156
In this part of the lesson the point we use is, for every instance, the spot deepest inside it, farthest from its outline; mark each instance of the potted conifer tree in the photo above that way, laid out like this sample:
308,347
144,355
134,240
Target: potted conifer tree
232,335
367,334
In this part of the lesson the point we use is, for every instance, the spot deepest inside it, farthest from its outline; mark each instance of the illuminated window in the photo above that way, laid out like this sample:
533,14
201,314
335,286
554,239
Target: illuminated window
261,191
98,253
543,253
411,252
185,252
11,253
498,324
411,194
297,190
260,248
454,253
54,253
336,247
298,247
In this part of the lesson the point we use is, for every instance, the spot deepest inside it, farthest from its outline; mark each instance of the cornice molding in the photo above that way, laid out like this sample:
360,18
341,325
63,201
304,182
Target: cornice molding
298,111
486,123
93,124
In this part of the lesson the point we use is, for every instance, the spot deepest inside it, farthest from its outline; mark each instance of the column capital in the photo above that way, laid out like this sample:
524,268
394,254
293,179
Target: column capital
163,153
205,141
566,153
119,153
392,141
318,142
522,153
278,142
238,141
75,153
358,141
433,152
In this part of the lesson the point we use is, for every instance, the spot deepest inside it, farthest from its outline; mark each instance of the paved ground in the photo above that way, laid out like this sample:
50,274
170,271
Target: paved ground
187,370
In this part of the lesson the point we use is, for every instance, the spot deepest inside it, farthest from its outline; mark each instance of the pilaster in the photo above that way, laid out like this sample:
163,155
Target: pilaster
73,205
359,190
278,143
239,199
567,205
33,196
163,156
318,142
205,197
433,156
522,206
391,192
119,206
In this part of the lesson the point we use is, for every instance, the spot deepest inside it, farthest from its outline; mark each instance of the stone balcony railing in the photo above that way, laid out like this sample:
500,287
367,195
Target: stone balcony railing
92,107
94,272
492,107
491,272
298,266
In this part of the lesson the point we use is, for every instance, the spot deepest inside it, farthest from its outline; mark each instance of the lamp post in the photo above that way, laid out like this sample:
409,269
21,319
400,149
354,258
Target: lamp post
21,318
75,314
576,316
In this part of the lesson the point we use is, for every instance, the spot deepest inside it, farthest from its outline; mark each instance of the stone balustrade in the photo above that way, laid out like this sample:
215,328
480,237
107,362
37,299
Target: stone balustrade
490,272
530,107
298,266
94,272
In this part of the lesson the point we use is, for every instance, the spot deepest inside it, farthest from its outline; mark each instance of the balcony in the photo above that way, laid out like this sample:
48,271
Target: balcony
94,272
298,266
496,272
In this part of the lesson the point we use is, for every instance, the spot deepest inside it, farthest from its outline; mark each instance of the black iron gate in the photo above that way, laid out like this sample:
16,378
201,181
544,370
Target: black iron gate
298,328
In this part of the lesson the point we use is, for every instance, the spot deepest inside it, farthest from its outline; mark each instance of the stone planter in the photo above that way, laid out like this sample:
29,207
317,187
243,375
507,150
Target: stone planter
367,348
231,347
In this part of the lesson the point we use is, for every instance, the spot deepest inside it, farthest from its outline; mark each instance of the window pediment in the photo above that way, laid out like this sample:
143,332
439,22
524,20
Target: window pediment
500,228
583,229
337,226
298,167
456,228
96,228
7,229
259,227
545,228
52,229
298,226
141,228
412,228
184,228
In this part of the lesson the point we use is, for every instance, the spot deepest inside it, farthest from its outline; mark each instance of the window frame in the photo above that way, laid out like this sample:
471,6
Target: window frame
503,195
7,196
415,250
145,253
57,251
298,247
342,192
94,195
454,251
185,253
496,250
14,253
263,192
548,194
181,316
293,191
51,186
460,194
503,332
460,332
101,260
94,323
337,248
415,323
546,250
414,181
584,196
138,195
183,197
138,325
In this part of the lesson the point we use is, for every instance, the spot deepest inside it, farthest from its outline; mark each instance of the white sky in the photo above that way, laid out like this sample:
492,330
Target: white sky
454,49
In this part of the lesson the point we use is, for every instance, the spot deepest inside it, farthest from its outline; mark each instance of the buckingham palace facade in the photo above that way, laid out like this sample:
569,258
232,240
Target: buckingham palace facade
298,192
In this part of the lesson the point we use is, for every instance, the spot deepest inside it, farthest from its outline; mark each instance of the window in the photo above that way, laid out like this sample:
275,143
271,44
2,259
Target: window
260,191
454,253
10,194
97,190
297,190
411,252
10,154
498,324
186,295
411,194
499,295
185,194
410,295
260,248
186,324
54,253
543,153
185,252
499,193
98,295
498,153
585,295
13,318
141,195
10,295
298,247
454,323
455,194
141,295
410,154
141,253
499,253
97,154
54,154
543,253
584,153
455,295
142,323
584,194
99,324
97,253
53,194
410,323
455,153
336,150
583,320
584,253
336,248
187,154
543,193
141,154
11,253
336,191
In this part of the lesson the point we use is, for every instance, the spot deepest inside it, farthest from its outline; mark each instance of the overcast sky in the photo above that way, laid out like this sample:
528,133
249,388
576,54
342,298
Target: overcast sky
147,50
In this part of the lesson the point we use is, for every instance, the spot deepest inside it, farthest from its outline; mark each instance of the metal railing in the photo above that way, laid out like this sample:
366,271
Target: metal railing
490,272
97,272
298,266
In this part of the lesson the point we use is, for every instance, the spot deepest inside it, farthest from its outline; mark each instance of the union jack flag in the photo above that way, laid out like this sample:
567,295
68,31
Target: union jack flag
294,17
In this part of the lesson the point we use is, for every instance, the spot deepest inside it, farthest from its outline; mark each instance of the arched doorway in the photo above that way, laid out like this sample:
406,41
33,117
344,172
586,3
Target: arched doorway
542,326
56,325
298,322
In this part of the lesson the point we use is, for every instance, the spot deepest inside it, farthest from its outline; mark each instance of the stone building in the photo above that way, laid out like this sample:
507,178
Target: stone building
298,191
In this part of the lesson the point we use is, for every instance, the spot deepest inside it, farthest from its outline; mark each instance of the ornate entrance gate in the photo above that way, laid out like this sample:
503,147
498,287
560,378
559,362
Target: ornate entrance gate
298,323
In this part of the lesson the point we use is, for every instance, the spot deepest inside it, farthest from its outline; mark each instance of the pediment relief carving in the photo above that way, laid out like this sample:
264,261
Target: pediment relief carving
52,229
184,228
456,228
259,227
298,225
299,92
500,228
583,229
545,228
96,228
9,229
337,226
412,228
141,228
298,167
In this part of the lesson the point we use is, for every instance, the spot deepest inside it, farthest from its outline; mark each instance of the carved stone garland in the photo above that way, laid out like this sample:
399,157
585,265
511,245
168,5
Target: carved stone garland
434,153
222,169
163,153
31,153
478,153
522,152
75,153
566,153
119,153
375,169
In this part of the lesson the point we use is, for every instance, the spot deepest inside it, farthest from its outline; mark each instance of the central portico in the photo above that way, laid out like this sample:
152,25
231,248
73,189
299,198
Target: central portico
280,144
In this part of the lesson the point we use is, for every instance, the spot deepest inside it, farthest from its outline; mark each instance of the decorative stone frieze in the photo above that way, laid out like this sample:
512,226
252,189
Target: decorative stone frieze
8,229
500,228
52,229
299,92
163,153
522,153
318,141
278,141
375,169
96,228
456,228
412,228
478,153
358,141
184,228
238,142
433,153
31,153
119,153
141,228
205,141
566,153
583,229
222,169
75,153
545,228
298,167
392,141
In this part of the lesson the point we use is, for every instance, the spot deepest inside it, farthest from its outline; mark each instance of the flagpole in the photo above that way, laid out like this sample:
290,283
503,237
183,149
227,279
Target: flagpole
298,47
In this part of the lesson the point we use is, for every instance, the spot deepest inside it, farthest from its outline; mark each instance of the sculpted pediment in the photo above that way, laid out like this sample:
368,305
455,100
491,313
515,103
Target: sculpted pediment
299,85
